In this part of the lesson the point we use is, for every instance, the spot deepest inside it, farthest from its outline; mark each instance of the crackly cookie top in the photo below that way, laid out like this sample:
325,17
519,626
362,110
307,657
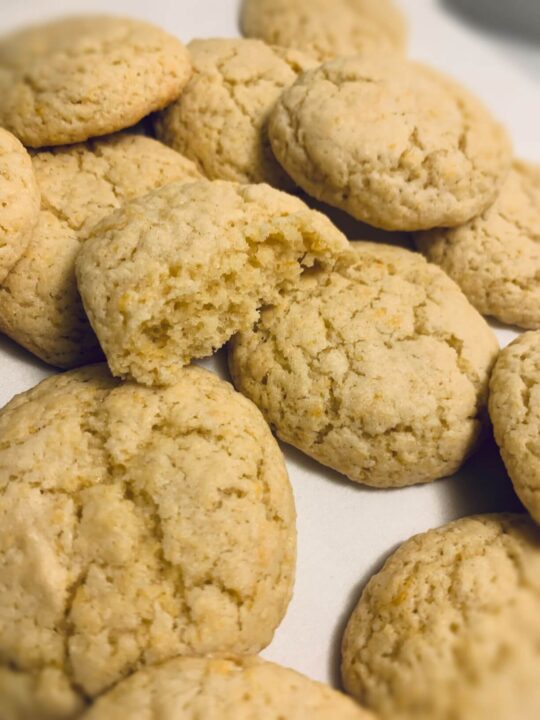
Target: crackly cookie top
326,29
136,525
450,627
495,258
223,689
78,77
378,368
220,119
396,144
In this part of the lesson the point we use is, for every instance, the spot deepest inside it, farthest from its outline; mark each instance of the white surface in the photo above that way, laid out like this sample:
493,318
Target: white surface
345,531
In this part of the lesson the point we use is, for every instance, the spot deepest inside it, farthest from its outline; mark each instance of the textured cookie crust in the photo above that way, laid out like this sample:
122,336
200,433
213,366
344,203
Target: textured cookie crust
220,119
495,258
514,408
450,627
79,77
326,29
174,275
136,525
40,307
397,145
230,688
19,201
378,369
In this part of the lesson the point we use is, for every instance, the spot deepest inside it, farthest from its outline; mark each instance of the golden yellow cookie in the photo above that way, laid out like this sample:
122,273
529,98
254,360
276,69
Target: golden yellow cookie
326,28
40,307
450,627
395,144
495,258
220,119
378,368
173,275
135,525
78,77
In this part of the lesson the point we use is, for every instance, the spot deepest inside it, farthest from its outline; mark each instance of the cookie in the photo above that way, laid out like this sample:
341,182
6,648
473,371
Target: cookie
78,77
220,119
495,258
136,525
172,276
514,408
450,627
223,689
324,29
395,144
19,201
378,368
40,307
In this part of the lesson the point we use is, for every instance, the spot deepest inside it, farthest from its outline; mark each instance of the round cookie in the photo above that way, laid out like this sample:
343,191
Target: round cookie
223,689
450,627
514,408
136,525
220,119
395,144
495,258
324,29
378,369
78,77
40,307
19,201
173,275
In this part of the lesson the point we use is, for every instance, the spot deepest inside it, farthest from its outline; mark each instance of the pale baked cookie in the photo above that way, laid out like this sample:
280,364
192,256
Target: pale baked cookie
495,257
396,144
174,275
514,408
78,77
40,307
325,29
135,525
220,119
378,369
223,689
19,201
450,627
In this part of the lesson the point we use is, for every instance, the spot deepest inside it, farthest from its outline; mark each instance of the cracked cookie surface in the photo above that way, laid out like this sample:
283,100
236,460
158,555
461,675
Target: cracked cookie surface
40,307
136,525
229,688
172,276
495,258
19,201
450,627
220,119
395,144
514,408
324,29
72,79
378,369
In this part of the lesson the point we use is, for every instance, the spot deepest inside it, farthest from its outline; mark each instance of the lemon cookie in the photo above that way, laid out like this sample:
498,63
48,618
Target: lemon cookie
395,144
223,689
40,307
174,275
378,369
514,408
326,29
136,525
450,627
495,257
78,77
19,201
220,119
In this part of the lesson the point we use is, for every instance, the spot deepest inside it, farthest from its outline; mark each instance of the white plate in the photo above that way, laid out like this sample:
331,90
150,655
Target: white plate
345,531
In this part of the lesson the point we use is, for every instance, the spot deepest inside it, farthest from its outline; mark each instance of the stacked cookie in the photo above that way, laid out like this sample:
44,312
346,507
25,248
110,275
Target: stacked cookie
147,534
